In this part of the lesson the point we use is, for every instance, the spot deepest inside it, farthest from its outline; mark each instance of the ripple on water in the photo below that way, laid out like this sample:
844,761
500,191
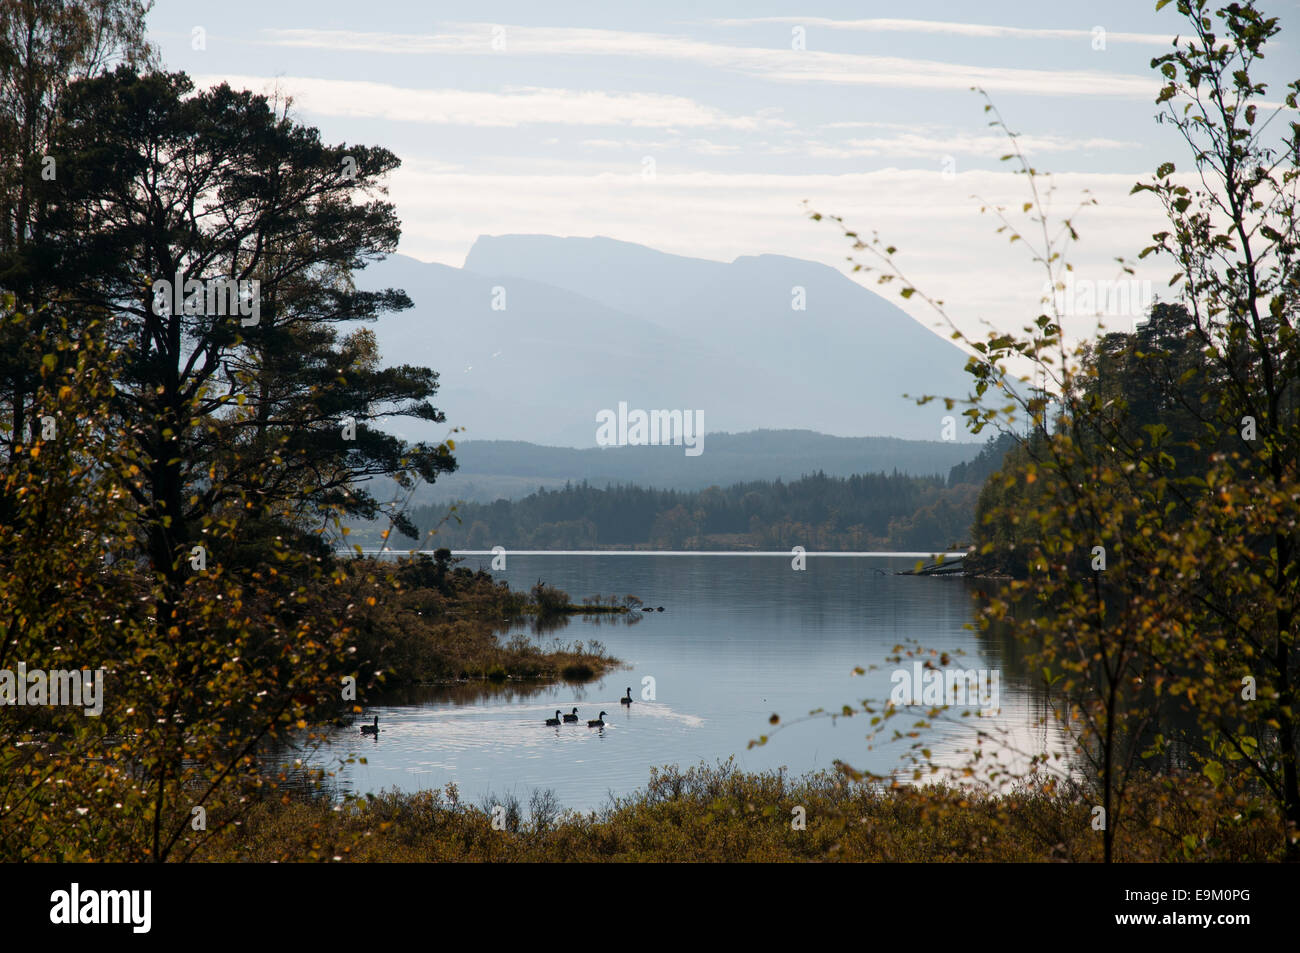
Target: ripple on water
743,639
429,738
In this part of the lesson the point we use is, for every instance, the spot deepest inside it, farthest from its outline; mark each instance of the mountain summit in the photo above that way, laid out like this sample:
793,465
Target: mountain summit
537,334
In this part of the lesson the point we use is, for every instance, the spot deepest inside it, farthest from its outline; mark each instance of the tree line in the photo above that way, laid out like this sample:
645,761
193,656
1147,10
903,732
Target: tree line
1150,513
860,512
173,472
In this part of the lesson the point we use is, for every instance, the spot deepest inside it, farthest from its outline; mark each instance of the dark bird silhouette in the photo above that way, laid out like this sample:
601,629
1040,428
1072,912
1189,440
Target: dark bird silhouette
573,717
628,699
597,723
555,720
371,729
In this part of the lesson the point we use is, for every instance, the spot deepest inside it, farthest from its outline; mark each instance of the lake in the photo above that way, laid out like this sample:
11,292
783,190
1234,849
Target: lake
741,637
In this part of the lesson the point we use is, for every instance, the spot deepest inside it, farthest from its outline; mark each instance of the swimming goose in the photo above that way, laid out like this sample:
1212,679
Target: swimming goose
555,720
573,717
628,699
598,723
371,729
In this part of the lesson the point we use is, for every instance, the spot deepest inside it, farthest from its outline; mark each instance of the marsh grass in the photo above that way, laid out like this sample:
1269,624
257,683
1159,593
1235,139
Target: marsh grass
717,813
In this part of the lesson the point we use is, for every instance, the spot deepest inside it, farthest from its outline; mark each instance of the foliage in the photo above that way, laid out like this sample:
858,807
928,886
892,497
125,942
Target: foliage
1154,509
165,183
196,676
719,814
44,47
165,469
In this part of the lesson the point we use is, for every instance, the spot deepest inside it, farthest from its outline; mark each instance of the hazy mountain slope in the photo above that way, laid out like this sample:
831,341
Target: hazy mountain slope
589,323
542,368
851,353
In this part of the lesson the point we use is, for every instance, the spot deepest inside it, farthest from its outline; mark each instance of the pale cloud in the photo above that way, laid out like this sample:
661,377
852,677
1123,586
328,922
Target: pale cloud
948,248
432,166
596,186
699,146
619,144
781,65
867,125
508,107
983,30
897,72
933,145
704,147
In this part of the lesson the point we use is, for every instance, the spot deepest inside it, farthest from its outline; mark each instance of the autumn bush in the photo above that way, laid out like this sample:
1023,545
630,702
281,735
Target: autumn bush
719,814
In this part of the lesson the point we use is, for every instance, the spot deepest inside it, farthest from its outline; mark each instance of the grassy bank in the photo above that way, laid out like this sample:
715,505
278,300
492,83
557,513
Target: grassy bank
427,620
720,814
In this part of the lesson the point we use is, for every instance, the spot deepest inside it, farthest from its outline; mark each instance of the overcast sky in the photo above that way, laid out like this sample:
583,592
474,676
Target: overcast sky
549,118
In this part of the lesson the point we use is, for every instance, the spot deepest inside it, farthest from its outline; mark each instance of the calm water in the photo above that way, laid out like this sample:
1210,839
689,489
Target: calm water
742,637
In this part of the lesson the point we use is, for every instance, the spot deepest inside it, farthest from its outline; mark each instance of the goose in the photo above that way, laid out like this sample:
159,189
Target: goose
598,723
628,699
573,717
555,720
371,729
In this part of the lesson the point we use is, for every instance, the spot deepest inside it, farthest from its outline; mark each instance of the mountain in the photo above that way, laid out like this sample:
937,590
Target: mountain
588,323
504,469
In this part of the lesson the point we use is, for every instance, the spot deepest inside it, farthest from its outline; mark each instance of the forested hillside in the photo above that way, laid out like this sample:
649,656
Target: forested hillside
860,512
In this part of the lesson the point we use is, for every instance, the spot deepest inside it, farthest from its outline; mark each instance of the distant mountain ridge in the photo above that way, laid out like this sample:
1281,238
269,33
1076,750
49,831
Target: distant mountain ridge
538,334
503,469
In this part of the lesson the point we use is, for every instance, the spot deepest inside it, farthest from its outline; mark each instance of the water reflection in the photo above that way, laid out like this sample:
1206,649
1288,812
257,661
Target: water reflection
741,639
539,625
470,692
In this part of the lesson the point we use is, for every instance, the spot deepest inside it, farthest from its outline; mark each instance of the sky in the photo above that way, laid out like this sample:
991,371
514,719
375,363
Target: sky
703,129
